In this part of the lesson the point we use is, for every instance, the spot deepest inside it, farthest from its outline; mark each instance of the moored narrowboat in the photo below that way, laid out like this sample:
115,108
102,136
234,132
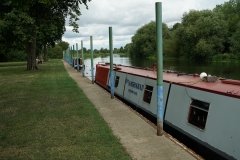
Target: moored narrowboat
201,112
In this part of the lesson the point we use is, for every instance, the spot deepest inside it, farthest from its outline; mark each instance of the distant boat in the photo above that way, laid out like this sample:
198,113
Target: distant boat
203,113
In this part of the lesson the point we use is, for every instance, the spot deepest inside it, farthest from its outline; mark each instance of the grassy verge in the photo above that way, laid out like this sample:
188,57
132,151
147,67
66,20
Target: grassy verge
44,115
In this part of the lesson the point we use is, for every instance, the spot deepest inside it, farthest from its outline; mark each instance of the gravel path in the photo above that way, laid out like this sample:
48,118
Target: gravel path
138,137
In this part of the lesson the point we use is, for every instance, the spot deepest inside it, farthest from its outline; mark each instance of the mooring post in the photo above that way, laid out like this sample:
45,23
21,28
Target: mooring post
68,55
73,57
92,69
111,63
77,57
160,111
83,67
65,54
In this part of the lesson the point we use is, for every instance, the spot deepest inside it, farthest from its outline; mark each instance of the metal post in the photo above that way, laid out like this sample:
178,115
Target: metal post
111,63
77,57
68,55
73,60
71,56
83,66
160,109
65,55
92,69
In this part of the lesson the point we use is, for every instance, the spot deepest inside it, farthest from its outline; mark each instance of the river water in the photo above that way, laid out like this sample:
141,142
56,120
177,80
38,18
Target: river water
219,69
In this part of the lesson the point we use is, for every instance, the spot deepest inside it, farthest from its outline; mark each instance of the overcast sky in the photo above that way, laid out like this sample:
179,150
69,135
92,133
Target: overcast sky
125,17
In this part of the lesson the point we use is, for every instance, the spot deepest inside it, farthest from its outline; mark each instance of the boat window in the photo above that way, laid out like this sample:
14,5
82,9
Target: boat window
116,81
147,94
198,113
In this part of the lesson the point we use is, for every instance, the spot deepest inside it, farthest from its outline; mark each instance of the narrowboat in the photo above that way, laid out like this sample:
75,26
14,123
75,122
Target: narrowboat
201,112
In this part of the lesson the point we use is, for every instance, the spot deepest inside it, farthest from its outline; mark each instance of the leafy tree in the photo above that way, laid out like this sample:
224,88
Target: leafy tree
201,34
101,50
95,51
231,11
126,48
105,50
84,49
55,52
121,49
64,45
235,41
115,50
35,23
175,26
144,41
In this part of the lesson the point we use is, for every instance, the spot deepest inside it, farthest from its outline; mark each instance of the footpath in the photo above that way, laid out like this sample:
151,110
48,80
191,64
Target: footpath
138,137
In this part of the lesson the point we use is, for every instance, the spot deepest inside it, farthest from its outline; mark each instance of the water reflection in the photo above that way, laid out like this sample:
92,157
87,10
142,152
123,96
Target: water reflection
225,70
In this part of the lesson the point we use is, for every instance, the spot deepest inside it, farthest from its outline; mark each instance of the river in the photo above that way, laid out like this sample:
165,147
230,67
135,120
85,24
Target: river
220,69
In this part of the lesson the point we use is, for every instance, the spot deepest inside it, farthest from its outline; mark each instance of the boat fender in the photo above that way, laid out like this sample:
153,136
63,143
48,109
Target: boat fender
203,74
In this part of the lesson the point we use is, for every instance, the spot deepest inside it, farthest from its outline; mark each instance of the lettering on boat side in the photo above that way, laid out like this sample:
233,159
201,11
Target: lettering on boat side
131,91
135,85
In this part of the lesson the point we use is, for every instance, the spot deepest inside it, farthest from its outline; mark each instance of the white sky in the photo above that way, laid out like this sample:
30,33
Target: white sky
125,17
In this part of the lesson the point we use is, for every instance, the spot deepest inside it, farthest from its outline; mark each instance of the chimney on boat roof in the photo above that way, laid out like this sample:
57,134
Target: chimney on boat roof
154,66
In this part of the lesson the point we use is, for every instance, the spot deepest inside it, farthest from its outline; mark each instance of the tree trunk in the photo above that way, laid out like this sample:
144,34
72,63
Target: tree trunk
45,57
31,53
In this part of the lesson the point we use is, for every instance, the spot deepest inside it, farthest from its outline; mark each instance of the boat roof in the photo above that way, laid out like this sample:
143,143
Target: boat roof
226,87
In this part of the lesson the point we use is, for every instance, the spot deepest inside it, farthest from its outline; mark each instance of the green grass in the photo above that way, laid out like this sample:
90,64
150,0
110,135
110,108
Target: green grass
45,115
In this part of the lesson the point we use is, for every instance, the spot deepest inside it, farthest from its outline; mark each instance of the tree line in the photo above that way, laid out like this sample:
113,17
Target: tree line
29,28
201,35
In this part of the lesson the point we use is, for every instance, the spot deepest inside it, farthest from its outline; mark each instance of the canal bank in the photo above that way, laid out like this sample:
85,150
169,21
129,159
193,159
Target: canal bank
137,137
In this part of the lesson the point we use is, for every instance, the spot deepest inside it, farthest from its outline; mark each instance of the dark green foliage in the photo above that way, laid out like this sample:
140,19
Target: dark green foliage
35,23
231,11
64,45
144,41
235,42
57,51
201,34
13,56
226,57
102,50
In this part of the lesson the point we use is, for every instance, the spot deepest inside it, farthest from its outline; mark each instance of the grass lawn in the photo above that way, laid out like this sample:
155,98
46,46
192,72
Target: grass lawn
45,115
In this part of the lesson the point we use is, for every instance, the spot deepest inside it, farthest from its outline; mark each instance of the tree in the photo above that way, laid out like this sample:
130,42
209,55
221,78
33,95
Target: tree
201,34
115,50
144,41
235,41
95,51
126,48
84,49
231,11
35,23
64,45
55,52
106,50
101,50
121,49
